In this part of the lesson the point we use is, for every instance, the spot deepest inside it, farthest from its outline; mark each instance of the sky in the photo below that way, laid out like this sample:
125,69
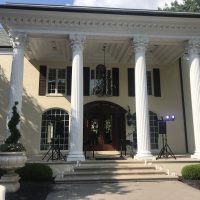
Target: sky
133,4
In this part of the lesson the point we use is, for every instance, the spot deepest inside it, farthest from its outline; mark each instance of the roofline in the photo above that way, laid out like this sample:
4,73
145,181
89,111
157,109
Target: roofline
98,10
5,46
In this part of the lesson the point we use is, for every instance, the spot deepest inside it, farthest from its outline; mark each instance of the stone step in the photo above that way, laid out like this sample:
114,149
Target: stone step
113,161
111,167
114,178
115,172
112,171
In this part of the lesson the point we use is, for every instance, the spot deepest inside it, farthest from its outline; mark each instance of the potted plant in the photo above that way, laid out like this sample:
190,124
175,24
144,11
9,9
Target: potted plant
12,154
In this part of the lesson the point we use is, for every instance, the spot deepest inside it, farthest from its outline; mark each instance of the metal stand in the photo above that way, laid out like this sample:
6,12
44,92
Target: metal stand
89,144
54,152
124,144
166,150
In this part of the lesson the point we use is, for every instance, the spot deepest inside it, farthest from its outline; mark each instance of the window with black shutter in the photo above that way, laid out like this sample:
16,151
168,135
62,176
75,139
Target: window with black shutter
69,80
42,80
153,83
156,82
131,82
86,81
104,82
56,81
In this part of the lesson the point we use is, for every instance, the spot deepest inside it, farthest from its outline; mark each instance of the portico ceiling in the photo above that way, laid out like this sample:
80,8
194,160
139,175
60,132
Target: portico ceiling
119,50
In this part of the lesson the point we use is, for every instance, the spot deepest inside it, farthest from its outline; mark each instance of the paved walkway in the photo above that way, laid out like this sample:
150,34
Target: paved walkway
168,190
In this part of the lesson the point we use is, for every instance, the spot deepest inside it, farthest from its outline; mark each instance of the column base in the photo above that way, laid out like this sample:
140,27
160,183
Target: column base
75,156
196,155
144,156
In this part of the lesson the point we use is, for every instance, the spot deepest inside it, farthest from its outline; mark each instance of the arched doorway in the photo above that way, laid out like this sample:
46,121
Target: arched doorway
104,122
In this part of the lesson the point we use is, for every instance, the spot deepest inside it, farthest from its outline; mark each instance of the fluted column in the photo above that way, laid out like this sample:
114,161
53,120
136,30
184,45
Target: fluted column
141,99
76,125
194,51
16,80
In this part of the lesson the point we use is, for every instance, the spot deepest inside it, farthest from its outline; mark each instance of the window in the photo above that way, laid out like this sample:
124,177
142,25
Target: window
131,82
54,128
154,131
101,84
56,81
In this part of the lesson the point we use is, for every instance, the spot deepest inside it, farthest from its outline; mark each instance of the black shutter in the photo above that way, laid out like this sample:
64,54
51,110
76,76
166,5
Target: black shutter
115,81
131,82
69,80
86,81
156,82
42,80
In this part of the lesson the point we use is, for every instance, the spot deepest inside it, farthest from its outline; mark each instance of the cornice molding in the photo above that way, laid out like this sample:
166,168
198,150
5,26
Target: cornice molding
102,26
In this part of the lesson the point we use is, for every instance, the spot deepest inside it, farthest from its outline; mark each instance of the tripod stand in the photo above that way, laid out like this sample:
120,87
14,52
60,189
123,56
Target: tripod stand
166,150
54,152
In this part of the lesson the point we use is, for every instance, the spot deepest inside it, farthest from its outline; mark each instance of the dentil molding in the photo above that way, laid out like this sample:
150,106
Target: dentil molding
102,26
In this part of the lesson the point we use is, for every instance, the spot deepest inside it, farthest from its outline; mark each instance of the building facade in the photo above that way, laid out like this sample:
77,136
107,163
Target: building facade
76,72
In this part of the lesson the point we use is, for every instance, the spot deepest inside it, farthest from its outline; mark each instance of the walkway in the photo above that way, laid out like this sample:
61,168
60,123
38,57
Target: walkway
168,190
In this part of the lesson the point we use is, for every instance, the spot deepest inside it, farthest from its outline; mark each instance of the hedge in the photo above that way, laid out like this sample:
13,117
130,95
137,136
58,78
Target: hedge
35,172
191,172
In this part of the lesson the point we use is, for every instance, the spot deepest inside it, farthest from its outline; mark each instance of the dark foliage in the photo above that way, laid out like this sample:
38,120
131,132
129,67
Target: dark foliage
35,172
11,143
191,172
186,6
12,125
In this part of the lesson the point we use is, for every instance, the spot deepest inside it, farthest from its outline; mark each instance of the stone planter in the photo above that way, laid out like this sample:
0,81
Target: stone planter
11,161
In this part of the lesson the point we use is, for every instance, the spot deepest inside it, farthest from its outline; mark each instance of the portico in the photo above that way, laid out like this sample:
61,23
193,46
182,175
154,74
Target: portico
70,36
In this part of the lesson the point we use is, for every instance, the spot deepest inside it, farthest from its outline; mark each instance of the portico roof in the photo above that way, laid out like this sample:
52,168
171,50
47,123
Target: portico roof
50,26
99,10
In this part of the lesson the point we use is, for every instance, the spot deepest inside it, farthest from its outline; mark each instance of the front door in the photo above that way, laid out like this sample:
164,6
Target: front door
102,130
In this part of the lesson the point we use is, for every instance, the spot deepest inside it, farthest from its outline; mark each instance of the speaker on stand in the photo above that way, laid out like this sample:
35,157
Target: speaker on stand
165,150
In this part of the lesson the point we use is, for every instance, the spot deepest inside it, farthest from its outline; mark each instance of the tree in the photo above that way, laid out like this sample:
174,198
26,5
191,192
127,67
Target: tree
186,6
12,142
12,125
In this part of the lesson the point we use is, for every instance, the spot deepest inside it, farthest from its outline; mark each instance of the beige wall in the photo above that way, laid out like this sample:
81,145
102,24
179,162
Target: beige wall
33,105
5,64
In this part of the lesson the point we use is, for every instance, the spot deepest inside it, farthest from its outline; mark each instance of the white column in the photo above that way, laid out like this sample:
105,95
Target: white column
2,192
194,50
16,80
141,99
76,125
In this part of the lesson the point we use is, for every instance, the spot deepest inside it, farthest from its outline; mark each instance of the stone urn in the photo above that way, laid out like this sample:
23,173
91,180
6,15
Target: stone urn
9,162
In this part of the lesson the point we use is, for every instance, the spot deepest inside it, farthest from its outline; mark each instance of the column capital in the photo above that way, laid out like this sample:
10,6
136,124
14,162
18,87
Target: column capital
139,43
77,41
18,40
193,46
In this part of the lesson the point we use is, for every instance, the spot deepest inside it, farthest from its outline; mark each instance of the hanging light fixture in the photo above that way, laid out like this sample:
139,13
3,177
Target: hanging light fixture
100,87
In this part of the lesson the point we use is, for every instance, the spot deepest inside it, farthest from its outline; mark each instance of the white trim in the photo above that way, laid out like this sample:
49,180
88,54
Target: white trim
99,24
56,94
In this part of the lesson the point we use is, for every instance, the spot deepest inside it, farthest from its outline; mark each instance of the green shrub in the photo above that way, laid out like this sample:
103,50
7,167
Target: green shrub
191,172
12,142
1,172
35,172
